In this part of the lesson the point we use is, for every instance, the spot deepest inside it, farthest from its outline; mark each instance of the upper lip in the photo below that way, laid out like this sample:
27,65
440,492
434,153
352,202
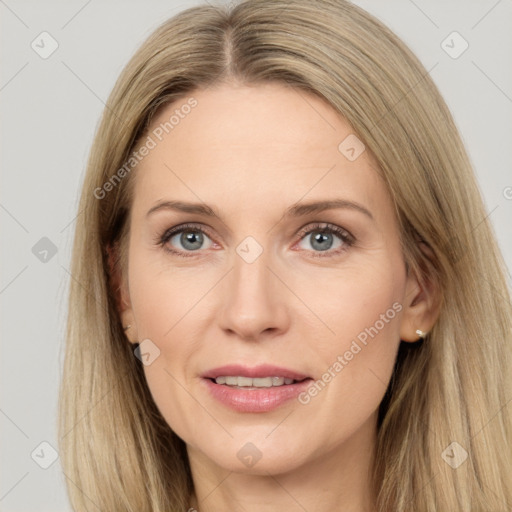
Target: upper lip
262,370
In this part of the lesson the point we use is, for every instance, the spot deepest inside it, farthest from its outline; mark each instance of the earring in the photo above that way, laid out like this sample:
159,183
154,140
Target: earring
421,334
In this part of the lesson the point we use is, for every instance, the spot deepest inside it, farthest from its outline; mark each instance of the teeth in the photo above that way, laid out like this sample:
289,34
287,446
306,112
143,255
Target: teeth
261,382
244,381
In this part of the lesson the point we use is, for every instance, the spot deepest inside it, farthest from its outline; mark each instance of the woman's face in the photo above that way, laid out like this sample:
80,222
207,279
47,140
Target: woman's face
256,294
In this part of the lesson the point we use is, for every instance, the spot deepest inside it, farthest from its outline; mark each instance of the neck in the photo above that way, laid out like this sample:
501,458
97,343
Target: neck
338,480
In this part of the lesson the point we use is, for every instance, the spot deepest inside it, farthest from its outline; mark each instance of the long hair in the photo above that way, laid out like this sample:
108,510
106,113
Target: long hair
117,451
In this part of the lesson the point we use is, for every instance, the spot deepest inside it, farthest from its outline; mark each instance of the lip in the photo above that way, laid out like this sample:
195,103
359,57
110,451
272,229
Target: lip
254,400
262,370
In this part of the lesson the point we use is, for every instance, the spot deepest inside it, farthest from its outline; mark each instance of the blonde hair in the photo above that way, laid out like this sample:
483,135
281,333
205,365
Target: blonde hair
117,451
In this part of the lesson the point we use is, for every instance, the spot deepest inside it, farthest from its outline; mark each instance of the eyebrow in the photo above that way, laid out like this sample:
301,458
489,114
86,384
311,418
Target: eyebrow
297,210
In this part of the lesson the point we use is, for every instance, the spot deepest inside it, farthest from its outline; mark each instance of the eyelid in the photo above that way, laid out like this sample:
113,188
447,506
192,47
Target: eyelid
327,227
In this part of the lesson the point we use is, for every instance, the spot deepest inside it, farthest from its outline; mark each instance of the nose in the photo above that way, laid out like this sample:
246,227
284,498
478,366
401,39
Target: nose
253,301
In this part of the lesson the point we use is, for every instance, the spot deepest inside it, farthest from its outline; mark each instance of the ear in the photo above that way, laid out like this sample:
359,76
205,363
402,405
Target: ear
422,304
120,291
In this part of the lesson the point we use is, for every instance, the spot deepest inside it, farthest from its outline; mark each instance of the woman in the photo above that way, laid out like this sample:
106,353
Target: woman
286,293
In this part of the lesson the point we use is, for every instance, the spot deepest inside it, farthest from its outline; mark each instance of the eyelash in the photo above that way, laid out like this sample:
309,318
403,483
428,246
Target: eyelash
323,227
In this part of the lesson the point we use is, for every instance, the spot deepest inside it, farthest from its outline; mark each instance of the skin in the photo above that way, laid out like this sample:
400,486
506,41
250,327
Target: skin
251,152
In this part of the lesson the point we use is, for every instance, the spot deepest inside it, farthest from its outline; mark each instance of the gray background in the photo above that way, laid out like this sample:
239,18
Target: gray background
50,109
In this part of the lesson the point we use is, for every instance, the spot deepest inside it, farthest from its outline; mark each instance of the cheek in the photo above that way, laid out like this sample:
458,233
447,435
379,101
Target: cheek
163,297
167,303
355,355
356,301
163,305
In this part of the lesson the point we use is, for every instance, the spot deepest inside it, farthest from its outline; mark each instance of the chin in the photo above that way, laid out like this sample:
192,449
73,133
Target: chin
255,458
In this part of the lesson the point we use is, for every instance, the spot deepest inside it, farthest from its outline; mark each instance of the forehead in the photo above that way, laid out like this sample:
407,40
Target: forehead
248,146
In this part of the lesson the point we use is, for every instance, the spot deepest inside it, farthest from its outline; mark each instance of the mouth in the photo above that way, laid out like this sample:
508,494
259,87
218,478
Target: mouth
240,382
254,389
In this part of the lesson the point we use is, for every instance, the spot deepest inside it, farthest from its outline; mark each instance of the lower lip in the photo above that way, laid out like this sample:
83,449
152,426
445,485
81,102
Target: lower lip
255,400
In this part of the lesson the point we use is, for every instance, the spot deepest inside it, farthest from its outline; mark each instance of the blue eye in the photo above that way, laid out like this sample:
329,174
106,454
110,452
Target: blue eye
325,237
191,237
190,240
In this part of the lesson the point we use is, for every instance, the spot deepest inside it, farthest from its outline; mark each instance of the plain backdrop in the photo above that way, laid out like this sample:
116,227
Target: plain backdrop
50,109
